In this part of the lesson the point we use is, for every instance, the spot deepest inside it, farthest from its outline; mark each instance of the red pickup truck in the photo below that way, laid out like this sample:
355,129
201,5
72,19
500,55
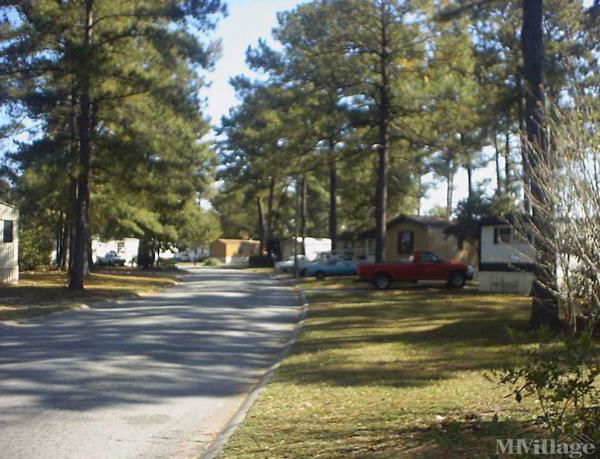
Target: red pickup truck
423,266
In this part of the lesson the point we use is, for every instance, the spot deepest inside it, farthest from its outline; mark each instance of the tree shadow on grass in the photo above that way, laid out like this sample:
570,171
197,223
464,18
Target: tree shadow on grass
405,341
369,437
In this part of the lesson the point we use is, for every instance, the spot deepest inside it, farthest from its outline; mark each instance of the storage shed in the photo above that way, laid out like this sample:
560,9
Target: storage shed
234,250
9,245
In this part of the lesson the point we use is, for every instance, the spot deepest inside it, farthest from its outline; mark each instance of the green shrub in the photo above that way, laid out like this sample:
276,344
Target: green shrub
562,374
212,262
35,248
261,261
167,264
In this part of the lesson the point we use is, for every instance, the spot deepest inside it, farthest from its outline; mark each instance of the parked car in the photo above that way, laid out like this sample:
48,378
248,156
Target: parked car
183,256
423,266
111,258
331,267
287,266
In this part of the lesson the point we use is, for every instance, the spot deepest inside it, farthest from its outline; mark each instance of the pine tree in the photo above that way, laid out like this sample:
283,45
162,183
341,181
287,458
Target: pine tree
125,51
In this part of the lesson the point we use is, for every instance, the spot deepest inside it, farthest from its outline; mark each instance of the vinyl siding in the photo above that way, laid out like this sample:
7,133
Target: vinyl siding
9,251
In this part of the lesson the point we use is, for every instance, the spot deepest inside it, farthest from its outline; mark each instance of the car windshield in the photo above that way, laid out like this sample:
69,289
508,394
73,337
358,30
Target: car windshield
428,257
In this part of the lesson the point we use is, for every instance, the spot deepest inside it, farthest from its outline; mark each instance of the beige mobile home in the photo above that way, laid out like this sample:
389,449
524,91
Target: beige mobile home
9,244
407,234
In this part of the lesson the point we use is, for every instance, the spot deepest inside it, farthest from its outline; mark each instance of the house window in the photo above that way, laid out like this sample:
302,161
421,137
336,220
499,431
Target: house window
502,235
7,231
406,242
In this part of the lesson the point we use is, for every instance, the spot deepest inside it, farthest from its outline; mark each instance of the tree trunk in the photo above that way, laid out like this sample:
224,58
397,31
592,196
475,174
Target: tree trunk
449,187
332,196
144,255
72,192
522,137
261,224
297,217
469,180
383,122
497,159
73,211
66,243
507,167
60,241
80,256
544,309
90,260
303,212
419,192
270,215
468,166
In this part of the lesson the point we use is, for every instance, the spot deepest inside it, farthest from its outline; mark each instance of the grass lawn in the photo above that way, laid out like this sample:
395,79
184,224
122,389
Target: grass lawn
332,283
40,293
390,374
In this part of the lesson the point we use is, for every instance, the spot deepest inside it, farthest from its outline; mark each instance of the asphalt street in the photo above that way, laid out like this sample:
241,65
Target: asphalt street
153,377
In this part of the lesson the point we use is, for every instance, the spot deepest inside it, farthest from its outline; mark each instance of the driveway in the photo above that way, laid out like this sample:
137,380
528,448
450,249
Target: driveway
153,377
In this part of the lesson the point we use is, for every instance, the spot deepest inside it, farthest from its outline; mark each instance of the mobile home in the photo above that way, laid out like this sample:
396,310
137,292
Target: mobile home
9,247
506,259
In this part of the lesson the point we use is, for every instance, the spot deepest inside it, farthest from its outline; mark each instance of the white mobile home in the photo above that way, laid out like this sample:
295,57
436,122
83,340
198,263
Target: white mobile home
9,245
506,260
126,248
311,247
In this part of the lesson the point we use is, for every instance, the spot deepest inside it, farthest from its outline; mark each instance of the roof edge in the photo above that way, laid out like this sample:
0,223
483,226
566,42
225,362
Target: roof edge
9,205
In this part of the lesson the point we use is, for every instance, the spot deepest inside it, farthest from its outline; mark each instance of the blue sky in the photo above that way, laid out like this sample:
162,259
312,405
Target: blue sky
250,20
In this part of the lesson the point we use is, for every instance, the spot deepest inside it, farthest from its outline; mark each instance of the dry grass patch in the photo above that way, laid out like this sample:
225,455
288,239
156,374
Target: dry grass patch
40,293
389,375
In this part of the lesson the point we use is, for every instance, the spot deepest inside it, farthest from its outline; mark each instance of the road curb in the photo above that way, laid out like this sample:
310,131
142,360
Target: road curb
220,441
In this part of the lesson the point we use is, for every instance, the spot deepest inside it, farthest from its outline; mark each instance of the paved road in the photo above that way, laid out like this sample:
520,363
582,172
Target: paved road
151,378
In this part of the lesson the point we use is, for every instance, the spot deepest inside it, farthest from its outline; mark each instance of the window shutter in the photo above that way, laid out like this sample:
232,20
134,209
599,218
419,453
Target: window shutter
495,235
412,241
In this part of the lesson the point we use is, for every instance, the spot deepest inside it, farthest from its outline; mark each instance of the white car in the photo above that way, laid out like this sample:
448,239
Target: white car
112,258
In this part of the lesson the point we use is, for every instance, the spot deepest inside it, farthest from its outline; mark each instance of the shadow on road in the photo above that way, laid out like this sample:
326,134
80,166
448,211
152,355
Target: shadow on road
211,336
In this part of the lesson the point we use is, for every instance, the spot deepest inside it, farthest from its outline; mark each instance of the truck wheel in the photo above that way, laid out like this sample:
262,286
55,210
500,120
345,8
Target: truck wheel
457,280
320,275
382,281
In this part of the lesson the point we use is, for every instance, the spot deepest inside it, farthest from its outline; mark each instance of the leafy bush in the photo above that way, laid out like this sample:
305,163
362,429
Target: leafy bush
261,261
562,375
212,262
167,264
35,248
